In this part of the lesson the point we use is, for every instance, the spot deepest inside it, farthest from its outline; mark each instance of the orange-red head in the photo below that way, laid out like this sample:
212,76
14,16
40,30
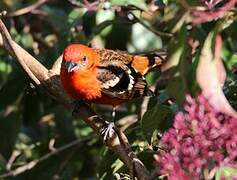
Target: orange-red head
79,57
78,72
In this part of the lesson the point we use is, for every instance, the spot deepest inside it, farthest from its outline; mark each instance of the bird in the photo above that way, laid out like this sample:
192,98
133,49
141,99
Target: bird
105,76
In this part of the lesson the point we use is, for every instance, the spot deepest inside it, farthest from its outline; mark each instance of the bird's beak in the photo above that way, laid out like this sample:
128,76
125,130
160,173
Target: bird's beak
70,66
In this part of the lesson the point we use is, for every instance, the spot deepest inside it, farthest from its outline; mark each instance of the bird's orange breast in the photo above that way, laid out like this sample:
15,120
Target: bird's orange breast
81,85
84,87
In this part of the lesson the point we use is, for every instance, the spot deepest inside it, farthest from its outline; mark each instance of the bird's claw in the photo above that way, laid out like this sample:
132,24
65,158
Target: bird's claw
108,132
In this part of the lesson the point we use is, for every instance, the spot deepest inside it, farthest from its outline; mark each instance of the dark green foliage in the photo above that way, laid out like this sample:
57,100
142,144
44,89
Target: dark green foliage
31,121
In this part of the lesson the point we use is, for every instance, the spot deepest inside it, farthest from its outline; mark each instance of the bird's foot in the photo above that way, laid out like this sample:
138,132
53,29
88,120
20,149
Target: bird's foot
109,131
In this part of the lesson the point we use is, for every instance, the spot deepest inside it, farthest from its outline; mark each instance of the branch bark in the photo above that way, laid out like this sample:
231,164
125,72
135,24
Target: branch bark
27,9
50,81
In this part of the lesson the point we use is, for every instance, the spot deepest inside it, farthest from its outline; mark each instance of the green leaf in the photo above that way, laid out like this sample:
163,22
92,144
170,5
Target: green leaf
105,170
179,52
143,40
231,61
147,157
5,67
12,88
56,16
176,89
104,16
89,22
104,28
138,3
9,128
176,49
226,173
27,40
32,108
74,15
155,119
117,165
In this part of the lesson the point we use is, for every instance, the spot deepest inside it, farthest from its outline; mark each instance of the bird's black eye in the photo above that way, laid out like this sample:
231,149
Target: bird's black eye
84,59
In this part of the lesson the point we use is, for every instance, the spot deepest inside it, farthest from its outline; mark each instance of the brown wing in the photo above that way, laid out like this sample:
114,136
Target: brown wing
118,78
140,63
117,57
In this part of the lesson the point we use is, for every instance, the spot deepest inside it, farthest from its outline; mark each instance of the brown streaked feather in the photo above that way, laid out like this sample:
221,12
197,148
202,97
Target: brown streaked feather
140,89
110,76
141,64
129,86
115,81
106,56
116,65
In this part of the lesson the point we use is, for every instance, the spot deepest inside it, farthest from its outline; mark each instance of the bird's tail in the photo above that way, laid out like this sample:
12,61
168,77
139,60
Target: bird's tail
147,61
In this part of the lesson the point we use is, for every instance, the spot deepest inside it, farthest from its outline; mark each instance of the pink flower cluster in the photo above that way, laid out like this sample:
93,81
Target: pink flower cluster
213,12
211,3
201,140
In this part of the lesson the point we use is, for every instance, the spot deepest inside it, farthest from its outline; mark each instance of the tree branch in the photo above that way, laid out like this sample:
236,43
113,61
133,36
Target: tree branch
49,79
33,163
27,9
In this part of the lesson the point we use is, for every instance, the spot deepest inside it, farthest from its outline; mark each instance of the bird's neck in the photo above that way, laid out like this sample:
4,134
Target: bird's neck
84,85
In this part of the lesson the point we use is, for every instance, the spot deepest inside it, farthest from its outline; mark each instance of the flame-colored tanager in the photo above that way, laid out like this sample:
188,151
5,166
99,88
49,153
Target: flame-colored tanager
104,76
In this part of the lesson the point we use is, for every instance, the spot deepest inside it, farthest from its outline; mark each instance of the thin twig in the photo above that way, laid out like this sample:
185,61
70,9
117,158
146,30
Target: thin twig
33,163
76,3
126,122
27,9
158,33
65,162
11,160
144,106
185,4
89,6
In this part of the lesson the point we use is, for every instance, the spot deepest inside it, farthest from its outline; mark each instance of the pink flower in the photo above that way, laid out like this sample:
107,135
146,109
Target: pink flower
202,139
213,11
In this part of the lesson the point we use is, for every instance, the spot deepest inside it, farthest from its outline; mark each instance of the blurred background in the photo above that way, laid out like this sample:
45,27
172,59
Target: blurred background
33,126
31,123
